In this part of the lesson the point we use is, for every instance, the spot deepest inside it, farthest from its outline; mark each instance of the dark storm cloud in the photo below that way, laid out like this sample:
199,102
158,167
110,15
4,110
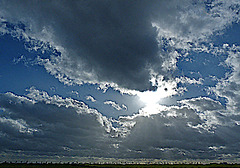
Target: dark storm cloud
113,40
117,41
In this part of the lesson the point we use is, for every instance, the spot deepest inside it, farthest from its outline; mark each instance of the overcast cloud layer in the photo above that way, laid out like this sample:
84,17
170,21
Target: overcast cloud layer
132,46
65,127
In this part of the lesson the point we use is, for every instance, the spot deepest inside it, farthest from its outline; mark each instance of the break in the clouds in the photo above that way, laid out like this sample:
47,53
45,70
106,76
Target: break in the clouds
64,66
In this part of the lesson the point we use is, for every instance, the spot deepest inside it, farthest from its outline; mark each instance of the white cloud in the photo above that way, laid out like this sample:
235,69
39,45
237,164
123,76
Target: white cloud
196,21
215,148
190,80
90,98
124,107
19,99
211,113
80,107
203,104
228,87
115,105
19,125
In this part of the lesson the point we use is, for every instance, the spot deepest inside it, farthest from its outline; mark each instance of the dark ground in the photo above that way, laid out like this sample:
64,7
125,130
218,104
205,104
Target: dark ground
30,165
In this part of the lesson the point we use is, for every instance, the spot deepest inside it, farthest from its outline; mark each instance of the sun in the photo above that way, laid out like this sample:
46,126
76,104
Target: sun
152,97
153,101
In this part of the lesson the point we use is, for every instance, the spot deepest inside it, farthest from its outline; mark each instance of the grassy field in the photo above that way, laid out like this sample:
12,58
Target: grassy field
12,165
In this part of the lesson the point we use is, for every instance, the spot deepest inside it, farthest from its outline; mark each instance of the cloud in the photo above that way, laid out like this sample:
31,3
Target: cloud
64,127
20,125
117,43
90,98
196,129
228,87
211,113
47,125
189,80
115,105
129,45
203,104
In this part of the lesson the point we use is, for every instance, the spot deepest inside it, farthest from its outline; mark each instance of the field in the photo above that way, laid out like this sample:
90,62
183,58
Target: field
21,165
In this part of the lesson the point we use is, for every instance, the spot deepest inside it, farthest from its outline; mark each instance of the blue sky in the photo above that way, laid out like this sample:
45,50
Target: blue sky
119,79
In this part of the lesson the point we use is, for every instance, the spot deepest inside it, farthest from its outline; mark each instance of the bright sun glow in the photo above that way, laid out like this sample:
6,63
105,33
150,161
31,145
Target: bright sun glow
152,99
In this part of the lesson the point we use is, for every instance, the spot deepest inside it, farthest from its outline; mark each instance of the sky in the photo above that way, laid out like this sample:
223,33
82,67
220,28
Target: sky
122,79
